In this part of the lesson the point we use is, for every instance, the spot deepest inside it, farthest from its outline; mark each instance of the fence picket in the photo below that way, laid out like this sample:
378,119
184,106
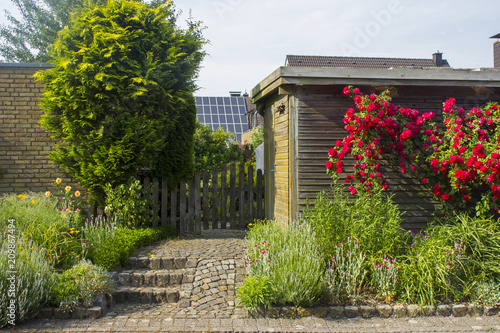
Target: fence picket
215,198
232,195
223,197
197,202
155,201
190,217
173,208
259,194
242,196
250,194
164,202
182,222
205,200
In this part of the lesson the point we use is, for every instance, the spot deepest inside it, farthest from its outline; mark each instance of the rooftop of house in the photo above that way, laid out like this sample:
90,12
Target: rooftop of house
365,62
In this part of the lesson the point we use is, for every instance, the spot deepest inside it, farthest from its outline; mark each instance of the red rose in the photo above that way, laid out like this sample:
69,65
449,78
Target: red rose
346,91
329,165
332,152
466,198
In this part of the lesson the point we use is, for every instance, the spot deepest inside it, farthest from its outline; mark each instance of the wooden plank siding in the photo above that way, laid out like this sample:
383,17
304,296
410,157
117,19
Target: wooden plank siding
281,113
320,111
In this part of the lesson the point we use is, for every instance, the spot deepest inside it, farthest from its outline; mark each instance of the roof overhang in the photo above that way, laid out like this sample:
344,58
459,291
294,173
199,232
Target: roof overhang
289,76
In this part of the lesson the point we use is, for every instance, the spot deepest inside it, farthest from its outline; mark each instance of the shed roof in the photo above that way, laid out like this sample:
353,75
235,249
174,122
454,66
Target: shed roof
289,76
359,62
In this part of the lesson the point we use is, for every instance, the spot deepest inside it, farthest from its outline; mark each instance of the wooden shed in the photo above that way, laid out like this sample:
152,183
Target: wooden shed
303,108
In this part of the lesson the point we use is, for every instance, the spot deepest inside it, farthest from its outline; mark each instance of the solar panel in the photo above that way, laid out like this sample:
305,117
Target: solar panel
225,112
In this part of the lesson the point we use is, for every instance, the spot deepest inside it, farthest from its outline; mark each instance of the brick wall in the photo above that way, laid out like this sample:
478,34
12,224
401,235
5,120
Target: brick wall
24,146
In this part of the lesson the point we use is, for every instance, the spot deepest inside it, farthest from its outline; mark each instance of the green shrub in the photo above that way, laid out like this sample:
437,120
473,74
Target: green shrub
115,251
25,264
486,293
131,204
80,285
373,219
296,268
256,291
37,218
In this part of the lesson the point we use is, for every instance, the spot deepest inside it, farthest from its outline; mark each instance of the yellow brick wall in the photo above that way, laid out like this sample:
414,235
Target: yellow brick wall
24,146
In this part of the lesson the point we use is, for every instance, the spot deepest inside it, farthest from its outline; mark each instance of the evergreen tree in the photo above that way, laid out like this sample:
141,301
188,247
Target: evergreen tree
120,97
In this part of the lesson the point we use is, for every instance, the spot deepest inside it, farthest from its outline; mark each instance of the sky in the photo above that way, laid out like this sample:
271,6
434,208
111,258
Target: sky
249,39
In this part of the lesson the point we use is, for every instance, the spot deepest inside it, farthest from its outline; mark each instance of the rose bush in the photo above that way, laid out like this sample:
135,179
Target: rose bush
460,164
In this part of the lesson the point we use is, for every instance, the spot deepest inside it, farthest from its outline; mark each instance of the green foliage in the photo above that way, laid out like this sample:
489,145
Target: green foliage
131,204
31,274
373,219
296,269
257,136
120,97
26,39
79,286
487,293
37,218
256,291
214,148
116,250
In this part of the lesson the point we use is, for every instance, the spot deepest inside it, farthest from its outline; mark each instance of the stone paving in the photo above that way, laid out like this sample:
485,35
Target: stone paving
213,306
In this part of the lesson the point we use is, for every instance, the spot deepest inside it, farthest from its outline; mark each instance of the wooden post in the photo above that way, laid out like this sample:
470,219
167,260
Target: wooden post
155,201
259,194
232,195
190,225
205,200
144,187
215,199
182,224
223,196
164,202
250,194
197,201
173,207
242,195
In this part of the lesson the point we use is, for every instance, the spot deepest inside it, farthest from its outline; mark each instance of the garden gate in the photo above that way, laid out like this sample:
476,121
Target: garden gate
220,199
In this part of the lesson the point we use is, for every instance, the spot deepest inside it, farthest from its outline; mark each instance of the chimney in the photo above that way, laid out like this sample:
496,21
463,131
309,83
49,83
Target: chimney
438,59
496,51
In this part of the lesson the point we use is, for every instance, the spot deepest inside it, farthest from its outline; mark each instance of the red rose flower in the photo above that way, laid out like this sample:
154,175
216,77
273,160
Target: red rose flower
329,165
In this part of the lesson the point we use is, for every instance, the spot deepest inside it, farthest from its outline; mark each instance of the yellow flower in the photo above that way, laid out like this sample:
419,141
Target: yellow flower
47,194
67,188
21,196
58,181
77,194
72,229
77,231
34,201
71,232
63,215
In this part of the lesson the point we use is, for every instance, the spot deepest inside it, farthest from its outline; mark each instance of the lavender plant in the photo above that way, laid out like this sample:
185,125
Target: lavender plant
385,278
345,276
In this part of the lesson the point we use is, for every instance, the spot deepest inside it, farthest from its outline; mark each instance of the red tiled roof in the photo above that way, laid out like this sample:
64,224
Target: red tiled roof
359,62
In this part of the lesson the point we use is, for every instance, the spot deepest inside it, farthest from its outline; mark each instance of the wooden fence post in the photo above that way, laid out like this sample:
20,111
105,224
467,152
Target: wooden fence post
215,198
259,194
173,207
223,196
205,200
182,224
197,201
250,193
164,202
232,195
242,195
155,201
190,217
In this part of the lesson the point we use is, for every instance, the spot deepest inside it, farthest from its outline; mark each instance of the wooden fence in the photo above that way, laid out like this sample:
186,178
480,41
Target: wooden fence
210,200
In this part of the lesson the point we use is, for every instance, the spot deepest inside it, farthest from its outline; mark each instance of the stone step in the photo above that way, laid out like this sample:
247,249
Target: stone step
147,295
154,278
157,263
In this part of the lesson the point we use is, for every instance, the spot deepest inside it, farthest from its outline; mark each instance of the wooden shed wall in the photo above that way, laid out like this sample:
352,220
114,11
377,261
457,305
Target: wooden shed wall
281,114
320,113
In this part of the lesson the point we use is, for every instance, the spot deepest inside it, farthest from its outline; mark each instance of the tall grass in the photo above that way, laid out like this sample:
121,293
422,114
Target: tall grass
373,219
